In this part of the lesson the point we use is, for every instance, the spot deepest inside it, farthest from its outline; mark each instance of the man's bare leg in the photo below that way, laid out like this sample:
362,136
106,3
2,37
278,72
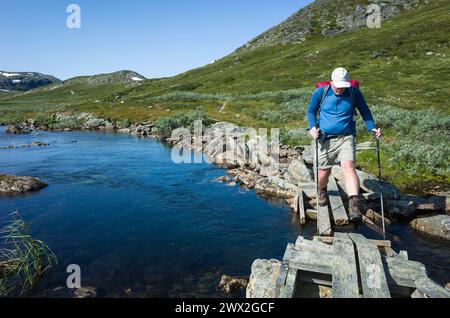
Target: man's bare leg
350,178
324,175
352,185
323,182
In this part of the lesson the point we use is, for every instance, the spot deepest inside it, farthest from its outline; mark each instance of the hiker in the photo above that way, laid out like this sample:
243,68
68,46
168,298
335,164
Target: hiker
336,106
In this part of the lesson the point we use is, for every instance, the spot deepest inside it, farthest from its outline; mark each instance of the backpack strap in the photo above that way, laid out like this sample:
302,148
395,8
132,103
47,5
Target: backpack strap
353,97
324,94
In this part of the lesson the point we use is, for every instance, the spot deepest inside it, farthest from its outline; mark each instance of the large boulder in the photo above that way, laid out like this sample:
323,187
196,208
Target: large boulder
369,183
436,226
298,172
13,184
263,279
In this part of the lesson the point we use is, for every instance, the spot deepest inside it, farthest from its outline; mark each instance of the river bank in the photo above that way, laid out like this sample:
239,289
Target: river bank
265,177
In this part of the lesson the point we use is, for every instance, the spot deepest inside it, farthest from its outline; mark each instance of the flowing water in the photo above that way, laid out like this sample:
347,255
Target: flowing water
139,225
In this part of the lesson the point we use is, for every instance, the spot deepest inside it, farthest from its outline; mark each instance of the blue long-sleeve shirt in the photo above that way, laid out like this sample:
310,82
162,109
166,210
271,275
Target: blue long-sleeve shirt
336,112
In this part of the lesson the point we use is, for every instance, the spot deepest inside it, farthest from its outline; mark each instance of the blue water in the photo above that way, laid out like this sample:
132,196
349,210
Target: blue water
139,225
117,206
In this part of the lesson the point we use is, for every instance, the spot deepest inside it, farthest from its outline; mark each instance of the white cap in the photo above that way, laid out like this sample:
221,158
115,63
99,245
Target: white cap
340,78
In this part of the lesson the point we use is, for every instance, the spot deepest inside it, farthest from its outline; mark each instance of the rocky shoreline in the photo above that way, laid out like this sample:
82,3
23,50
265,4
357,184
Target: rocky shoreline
251,162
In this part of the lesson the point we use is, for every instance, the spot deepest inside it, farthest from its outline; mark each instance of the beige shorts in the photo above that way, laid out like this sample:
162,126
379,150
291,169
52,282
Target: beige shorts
335,150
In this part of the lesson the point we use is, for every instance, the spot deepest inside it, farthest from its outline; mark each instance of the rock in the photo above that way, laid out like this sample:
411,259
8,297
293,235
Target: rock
39,144
435,203
124,131
369,183
67,129
17,130
298,172
276,186
11,184
401,209
269,169
86,292
223,179
230,285
436,226
262,283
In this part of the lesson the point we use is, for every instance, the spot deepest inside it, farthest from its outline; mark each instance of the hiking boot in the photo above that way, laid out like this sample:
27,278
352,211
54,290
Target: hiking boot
323,197
354,209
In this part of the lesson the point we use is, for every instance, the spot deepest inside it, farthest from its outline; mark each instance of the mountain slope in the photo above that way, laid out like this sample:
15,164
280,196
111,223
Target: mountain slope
402,64
328,18
24,81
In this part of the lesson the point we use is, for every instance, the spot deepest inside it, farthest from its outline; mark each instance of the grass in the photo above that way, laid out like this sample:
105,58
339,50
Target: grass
23,259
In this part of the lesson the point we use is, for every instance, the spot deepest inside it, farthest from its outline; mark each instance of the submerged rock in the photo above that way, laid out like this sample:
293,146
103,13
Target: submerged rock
262,283
86,292
230,284
12,184
437,226
402,209
18,130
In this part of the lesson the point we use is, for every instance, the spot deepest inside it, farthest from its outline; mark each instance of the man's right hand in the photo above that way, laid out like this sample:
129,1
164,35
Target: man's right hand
314,132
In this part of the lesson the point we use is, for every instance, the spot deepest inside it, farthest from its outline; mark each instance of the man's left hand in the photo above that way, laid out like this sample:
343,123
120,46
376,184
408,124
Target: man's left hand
377,133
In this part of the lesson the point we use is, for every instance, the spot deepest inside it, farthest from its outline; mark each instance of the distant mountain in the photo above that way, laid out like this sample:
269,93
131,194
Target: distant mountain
122,77
24,81
328,18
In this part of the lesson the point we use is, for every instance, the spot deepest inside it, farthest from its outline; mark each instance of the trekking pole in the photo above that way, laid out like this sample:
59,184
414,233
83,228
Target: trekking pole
381,192
317,174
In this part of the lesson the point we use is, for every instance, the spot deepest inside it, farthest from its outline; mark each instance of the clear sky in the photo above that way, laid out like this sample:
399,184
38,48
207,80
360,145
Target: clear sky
155,38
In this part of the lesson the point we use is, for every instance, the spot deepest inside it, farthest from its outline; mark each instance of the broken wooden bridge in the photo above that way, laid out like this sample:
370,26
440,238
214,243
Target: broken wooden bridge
350,266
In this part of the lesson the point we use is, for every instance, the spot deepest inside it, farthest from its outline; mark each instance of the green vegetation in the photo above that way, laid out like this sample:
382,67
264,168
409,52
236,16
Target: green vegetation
402,68
23,259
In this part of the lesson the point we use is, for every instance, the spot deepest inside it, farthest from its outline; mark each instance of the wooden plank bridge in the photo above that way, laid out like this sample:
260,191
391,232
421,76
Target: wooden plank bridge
348,264
353,267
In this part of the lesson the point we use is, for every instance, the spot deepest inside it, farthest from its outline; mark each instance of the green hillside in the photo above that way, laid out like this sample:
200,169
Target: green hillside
403,68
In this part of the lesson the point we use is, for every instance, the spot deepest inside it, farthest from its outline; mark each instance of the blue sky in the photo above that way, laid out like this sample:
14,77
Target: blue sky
156,38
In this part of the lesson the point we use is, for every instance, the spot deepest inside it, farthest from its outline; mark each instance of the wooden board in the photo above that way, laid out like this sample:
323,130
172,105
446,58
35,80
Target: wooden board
430,289
402,272
373,279
301,208
337,206
288,290
344,271
323,221
306,260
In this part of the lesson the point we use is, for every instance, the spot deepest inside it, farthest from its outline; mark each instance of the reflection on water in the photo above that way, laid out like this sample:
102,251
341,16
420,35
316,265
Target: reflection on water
139,225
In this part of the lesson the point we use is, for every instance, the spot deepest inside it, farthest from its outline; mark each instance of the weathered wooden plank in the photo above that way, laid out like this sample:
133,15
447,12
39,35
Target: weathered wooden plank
323,221
308,261
430,289
337,206
296,206
301,208
378,243
402,272
313,246
281,279
373,279
345,274
288,290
